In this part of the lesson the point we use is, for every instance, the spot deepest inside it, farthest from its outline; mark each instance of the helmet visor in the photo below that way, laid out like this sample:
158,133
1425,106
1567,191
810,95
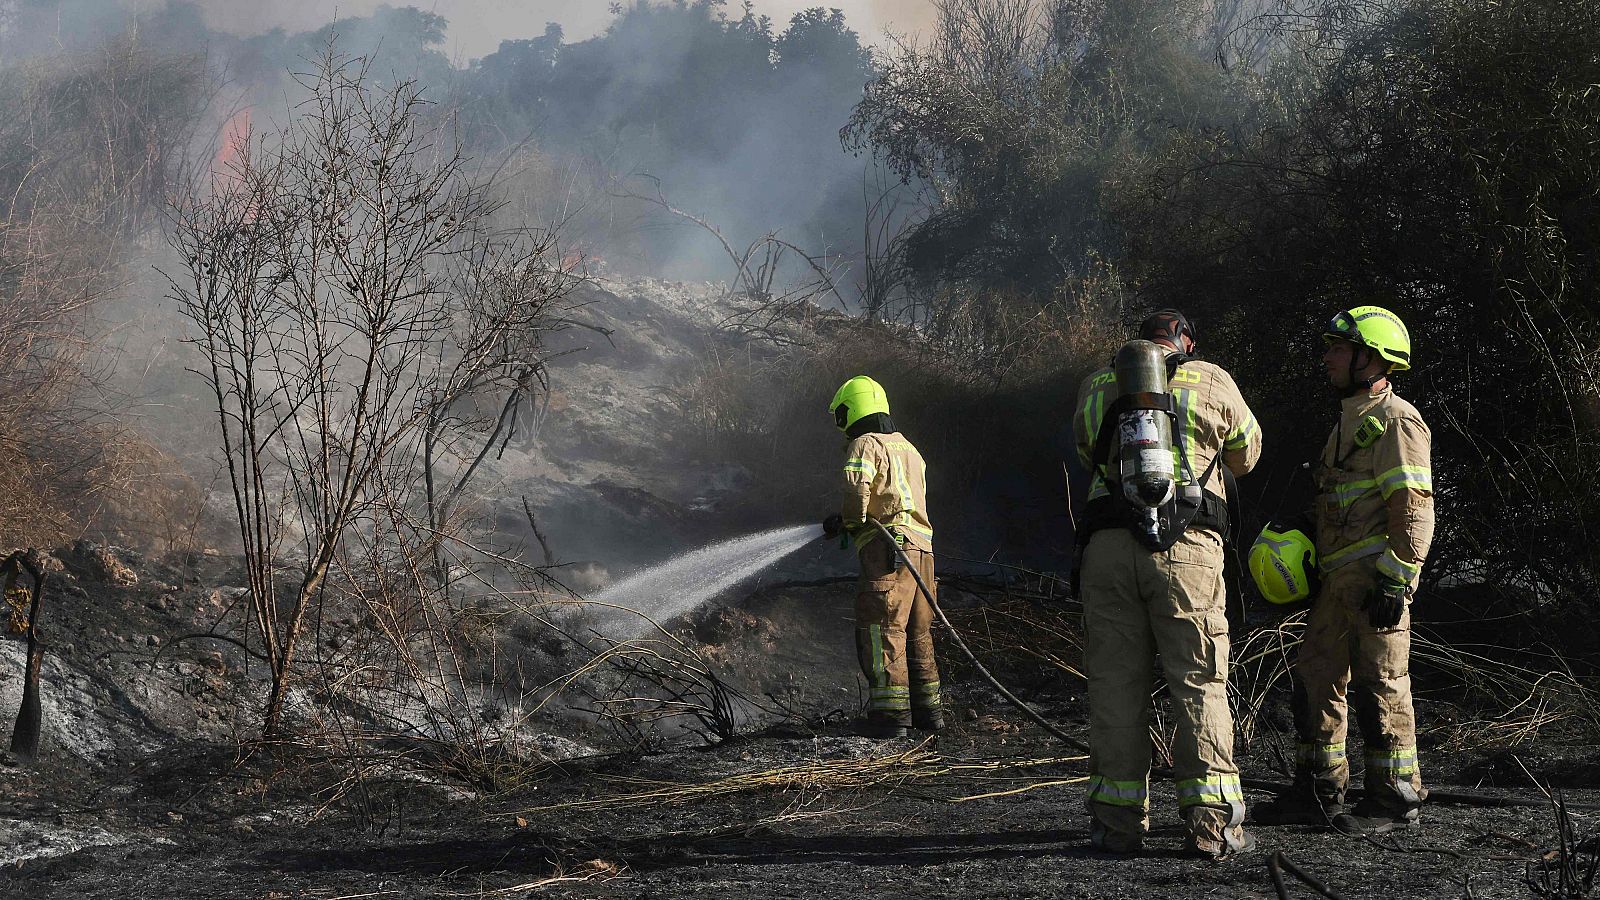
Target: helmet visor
1342,327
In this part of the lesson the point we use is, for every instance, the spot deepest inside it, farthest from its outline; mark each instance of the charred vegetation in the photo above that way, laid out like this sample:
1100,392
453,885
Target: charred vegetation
330,616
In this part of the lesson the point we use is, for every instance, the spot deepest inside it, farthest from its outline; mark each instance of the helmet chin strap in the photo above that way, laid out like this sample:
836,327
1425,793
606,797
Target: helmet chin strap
1357,384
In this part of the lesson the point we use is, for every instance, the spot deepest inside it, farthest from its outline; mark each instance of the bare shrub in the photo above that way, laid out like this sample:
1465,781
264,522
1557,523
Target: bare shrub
368,335
769,303
49,455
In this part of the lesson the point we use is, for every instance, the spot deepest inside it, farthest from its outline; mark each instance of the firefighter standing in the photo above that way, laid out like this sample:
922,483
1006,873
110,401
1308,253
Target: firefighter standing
1374,523
1140,601
885,479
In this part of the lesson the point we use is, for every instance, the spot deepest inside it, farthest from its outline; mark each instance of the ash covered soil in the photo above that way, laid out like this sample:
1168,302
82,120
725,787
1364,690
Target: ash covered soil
144,791
150,784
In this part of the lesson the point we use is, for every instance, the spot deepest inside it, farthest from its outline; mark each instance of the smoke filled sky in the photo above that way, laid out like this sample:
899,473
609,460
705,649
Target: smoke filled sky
478,26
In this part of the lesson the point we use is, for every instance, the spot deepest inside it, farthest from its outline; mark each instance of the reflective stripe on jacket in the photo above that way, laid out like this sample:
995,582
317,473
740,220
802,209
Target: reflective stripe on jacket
1212,418
1376,500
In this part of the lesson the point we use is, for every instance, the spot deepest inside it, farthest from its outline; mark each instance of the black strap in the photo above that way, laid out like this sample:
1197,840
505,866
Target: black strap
1232,567
1113,511
1108,423
1226,475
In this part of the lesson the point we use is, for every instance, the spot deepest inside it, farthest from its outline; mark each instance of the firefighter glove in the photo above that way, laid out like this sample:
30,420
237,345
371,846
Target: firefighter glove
1385,603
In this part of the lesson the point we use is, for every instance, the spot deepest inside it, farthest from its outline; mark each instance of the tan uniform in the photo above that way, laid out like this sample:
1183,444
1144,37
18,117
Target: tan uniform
1138,605
885,478
1374,517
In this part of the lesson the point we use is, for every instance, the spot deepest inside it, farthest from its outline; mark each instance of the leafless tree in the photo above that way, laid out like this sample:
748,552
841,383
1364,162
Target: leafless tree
764,303
884,229
355,308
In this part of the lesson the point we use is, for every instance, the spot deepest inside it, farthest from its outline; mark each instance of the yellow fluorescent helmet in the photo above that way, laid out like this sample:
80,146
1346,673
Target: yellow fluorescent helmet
860,396
1375,327
1283,562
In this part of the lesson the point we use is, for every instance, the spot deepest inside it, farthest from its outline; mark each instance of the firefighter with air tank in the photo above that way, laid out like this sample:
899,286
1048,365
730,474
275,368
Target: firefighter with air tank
1155,430
1161,433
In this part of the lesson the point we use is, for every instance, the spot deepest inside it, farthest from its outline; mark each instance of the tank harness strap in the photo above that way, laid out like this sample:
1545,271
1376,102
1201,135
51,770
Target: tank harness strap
1106,437
1113,511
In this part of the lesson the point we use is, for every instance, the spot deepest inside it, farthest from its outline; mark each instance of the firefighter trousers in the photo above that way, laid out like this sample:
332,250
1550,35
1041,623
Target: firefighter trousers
894,634
1343,658
1138,605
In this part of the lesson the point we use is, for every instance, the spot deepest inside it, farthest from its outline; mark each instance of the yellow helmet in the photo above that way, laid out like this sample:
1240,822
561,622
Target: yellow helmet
860,396
1283,562
1375,327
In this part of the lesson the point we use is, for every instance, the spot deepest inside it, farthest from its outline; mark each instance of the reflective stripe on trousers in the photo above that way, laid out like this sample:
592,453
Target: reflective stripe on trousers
1320,756
889,698
1213,790
1118,793
1401,763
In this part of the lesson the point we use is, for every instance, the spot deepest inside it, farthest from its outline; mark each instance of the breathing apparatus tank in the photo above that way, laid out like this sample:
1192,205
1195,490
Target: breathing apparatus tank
1144,431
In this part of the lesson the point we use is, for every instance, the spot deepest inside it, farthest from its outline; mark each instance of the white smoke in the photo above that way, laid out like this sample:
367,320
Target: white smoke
478,26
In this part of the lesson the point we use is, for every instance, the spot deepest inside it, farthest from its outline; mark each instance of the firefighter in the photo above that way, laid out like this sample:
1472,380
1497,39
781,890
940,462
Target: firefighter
1158,589
1374,523
885,479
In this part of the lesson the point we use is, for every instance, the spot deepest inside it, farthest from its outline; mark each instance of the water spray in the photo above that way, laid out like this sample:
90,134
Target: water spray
684,582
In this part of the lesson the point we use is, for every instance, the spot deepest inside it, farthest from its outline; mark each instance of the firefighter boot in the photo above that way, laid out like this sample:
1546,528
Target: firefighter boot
878,729
1300,806
1212,836
1375,817
1111,843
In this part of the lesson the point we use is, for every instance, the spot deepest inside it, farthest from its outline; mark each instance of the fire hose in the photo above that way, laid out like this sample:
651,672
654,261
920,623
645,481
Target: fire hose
955,636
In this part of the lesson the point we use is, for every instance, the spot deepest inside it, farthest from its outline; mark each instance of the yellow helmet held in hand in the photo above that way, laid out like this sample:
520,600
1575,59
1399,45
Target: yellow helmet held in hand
1283,562
860,396
1375,327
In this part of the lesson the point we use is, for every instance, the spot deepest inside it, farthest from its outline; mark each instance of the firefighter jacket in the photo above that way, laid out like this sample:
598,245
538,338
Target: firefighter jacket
1212,418
1375,487
885,478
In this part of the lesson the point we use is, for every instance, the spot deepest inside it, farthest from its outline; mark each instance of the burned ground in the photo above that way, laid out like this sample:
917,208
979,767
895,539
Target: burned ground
900,834
176,807
154,784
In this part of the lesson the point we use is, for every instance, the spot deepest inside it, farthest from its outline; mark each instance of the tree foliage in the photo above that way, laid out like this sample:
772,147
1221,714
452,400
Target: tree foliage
719,107
1434,156
1023,114
1443,164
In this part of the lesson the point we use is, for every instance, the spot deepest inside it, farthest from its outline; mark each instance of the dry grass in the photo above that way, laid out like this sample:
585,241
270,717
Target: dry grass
1513,695
1516,694
1509,696
895,771
1028,628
